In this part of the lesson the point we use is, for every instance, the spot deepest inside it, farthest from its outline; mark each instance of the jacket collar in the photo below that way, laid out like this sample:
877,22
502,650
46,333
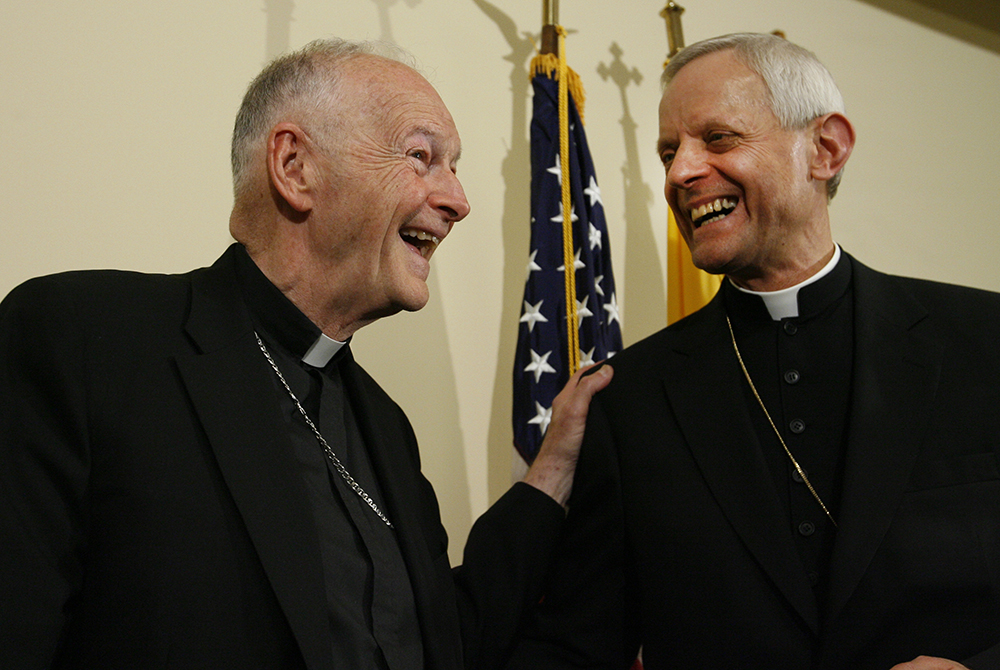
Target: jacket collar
896,375
232,394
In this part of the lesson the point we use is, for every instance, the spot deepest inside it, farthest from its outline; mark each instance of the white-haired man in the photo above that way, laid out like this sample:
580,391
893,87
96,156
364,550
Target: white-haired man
803,474
194,472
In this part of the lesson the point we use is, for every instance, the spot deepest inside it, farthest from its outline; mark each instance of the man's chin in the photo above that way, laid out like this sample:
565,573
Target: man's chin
412,300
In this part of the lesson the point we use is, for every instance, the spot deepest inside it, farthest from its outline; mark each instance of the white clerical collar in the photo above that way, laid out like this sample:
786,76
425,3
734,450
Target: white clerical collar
784,304
321,351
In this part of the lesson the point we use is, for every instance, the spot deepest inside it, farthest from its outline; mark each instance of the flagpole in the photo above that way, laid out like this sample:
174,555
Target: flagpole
550,19
675,32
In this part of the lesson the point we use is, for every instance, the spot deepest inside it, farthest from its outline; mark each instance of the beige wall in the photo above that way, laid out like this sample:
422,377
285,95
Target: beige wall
115,118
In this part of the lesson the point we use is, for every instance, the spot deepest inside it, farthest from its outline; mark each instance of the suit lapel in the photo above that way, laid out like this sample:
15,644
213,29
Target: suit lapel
896,374
233,396
703,383
393,452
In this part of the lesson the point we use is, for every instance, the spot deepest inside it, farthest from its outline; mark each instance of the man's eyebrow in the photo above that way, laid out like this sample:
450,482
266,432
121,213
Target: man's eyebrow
433,136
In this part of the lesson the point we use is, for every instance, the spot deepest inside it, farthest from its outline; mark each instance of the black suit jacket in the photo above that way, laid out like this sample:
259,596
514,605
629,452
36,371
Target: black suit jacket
151,516
676,539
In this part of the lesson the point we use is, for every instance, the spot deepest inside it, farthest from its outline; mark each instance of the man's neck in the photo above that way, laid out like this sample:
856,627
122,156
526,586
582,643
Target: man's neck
291,279
783,303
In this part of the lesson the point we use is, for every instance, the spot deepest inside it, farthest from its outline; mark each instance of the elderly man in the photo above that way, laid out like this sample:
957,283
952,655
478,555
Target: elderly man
803,474
194,471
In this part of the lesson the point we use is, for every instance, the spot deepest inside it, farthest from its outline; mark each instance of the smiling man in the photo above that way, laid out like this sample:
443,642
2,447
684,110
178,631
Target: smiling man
805,474
194,471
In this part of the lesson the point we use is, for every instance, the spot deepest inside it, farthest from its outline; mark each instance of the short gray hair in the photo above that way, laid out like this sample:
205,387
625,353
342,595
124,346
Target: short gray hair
799,85
305,78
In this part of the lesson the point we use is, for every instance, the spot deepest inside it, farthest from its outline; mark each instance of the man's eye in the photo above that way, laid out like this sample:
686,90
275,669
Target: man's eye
419,154
719,138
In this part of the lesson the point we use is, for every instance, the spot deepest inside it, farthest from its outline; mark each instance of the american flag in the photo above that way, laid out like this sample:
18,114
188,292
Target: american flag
541,361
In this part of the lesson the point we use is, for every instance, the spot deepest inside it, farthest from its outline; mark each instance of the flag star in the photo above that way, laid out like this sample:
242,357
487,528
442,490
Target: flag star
595,237
577,263
543,417
539,365
558,218
594,192
532,265
587,357
582,311
597,285
612,309
532,314
557,169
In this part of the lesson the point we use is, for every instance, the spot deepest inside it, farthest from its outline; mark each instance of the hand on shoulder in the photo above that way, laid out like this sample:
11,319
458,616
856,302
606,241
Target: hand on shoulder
553,469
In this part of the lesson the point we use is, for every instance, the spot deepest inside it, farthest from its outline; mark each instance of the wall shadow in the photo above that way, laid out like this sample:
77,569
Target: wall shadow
424,386
278,30
515,175
385,25
976,22
645,303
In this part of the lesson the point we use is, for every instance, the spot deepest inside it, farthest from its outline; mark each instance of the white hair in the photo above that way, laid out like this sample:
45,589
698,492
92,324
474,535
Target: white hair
800,88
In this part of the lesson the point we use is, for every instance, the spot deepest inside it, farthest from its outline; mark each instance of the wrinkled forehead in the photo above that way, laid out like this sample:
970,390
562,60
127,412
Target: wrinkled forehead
718,83
395,97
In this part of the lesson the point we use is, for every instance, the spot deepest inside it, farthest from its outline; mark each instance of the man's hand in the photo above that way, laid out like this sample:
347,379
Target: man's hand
929,663
553,469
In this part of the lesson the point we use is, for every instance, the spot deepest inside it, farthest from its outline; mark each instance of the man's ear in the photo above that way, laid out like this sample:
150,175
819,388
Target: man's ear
834,141
287,158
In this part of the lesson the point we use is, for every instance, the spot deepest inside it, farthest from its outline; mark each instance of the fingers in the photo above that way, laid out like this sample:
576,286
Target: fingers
929,663
554,467
582,386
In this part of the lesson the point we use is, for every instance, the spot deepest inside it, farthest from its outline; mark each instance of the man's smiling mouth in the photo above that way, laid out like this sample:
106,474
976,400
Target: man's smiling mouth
712,211
423,241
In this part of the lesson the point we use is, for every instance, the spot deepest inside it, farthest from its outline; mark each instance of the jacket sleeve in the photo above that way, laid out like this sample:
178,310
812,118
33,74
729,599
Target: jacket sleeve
504,566
44,462
584,618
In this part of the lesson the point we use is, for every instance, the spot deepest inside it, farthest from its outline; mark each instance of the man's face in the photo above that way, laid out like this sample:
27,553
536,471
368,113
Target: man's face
738,184
388,193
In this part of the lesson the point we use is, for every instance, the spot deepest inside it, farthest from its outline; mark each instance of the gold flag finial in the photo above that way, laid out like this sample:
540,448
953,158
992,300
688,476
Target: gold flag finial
675,33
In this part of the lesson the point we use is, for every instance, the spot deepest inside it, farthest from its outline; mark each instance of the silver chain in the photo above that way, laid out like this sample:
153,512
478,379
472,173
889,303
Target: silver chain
337,465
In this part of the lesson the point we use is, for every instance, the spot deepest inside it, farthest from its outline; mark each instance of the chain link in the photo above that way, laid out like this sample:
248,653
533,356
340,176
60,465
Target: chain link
337,465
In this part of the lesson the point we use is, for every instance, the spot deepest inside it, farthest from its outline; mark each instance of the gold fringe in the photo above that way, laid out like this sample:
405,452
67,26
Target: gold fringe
548,65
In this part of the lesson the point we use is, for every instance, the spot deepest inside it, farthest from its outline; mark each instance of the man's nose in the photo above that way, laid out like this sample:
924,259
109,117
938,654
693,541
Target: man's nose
687,166
449,198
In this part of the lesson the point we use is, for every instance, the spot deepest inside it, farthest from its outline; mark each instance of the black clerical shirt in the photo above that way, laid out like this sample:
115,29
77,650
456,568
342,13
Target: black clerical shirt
370,600
801,367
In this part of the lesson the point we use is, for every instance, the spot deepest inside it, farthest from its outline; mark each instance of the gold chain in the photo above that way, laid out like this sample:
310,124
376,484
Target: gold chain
798,468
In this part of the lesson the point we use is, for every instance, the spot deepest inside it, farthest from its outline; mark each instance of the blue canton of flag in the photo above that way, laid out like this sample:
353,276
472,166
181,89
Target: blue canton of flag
541,362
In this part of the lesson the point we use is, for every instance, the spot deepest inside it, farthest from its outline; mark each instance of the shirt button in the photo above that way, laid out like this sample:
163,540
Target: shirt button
790,327
797,477
806,528
792,377
797,426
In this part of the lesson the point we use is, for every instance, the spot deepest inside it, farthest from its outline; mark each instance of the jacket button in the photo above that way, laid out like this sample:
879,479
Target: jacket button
797,426
790,327
806,528
797,477
792,377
